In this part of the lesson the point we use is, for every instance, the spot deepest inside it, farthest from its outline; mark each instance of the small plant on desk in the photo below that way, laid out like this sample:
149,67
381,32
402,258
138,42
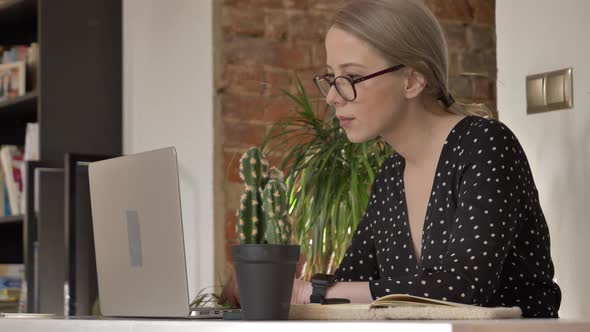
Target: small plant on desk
264,260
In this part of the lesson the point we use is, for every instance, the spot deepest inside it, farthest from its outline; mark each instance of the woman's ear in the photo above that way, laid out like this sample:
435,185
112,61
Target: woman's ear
415,82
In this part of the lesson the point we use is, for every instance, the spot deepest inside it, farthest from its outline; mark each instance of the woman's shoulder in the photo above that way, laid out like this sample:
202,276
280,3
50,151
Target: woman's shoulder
486,138
488,128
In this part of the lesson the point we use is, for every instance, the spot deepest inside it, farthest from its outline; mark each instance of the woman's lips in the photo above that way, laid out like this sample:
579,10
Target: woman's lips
345,121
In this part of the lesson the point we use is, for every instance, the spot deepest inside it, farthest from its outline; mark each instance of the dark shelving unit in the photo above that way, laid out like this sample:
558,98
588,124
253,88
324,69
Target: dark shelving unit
11,244
25,105
77,103
11,220
11,232
18,22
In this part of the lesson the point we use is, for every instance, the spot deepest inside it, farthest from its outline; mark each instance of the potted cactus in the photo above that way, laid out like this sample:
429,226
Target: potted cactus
264,260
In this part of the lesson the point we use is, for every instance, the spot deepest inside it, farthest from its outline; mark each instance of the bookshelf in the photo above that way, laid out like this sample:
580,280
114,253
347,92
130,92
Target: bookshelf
11,233
14,115
77,103
18,22
20,106
11,220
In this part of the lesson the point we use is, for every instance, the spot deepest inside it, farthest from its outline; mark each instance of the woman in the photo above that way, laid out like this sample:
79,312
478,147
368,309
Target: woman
454,213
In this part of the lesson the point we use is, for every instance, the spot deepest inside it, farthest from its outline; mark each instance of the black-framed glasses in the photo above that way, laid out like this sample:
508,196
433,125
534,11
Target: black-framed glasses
344,84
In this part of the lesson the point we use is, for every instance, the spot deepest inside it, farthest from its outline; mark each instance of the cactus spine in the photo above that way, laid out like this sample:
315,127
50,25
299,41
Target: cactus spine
263,215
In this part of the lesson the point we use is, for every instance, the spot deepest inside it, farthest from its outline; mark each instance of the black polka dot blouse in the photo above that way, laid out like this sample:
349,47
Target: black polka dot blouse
485,240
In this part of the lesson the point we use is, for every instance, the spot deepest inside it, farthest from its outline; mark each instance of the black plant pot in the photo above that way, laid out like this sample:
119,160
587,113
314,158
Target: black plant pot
265,275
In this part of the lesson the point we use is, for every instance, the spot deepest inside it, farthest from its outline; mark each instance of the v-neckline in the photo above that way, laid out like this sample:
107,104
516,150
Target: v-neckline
418,262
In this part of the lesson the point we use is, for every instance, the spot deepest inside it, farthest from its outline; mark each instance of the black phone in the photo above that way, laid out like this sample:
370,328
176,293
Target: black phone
335,301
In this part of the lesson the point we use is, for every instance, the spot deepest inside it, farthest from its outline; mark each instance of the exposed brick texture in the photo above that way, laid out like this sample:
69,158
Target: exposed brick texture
263,43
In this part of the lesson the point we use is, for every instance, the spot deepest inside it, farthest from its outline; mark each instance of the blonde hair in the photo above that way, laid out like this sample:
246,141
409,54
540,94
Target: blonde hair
406,32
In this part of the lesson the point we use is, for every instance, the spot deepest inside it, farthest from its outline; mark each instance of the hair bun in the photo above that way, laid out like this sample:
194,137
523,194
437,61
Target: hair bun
447,100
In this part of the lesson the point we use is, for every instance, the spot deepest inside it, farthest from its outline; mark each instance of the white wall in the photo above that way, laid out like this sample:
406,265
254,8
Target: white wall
168,101
536,36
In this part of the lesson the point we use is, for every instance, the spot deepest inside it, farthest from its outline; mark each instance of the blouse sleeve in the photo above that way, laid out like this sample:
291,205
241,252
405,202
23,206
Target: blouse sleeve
359,262
485,223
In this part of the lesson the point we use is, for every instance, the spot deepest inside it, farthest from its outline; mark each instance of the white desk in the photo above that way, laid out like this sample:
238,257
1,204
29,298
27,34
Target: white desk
150,325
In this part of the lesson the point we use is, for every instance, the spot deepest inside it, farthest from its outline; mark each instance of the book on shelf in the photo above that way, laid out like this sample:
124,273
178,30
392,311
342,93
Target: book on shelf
11,279
4,209
11,158
12,168
27,55
32,142
12,80
14,54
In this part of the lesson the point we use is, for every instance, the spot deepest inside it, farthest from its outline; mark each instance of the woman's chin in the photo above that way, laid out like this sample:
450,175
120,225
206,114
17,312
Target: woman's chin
356,138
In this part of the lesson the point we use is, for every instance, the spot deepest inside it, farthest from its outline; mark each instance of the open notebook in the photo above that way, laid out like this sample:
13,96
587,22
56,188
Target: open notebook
406,300
400,306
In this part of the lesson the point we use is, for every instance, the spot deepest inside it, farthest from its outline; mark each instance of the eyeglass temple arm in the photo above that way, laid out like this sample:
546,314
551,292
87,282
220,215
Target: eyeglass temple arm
384,71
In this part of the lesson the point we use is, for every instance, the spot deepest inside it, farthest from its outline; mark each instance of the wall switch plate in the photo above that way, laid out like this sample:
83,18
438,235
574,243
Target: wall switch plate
549,91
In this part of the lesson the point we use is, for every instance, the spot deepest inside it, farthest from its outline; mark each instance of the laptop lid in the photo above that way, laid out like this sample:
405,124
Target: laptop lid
137,223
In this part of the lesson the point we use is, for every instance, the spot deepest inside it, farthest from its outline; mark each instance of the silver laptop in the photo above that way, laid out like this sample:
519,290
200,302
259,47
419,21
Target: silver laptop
139,241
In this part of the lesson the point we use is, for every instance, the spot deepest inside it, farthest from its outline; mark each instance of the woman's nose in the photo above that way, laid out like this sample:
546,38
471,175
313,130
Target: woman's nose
333,98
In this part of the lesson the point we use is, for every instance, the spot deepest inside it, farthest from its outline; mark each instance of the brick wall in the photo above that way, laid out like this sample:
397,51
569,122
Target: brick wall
261,44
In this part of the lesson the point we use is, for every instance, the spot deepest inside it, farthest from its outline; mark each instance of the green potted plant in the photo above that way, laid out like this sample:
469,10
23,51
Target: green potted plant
264,260
328,178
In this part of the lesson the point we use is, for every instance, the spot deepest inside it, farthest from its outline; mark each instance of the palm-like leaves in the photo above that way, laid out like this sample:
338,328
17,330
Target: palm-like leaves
328,178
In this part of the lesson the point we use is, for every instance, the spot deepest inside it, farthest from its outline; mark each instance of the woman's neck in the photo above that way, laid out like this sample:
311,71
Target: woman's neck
421,133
